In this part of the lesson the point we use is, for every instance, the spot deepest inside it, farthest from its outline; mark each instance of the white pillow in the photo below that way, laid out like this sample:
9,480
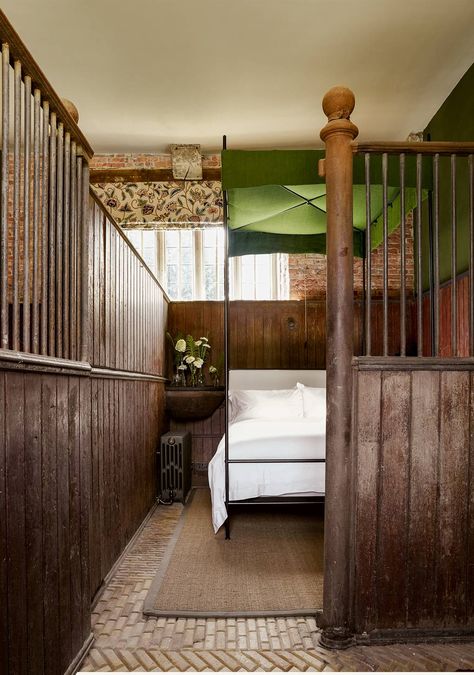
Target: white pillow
273,404
314,401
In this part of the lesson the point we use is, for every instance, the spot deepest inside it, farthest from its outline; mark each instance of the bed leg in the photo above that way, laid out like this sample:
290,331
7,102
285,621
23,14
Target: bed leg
227,528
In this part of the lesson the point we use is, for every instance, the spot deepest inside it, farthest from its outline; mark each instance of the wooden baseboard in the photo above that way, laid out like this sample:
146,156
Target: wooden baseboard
80,656
414,635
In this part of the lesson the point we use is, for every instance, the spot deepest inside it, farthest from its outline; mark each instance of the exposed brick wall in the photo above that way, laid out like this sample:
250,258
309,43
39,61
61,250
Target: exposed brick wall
145,161
308,272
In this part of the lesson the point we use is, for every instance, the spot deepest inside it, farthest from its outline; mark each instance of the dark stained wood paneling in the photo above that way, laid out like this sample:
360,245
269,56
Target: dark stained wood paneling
205,435
423,503
369,400
78,481
462,323
413,551
271,334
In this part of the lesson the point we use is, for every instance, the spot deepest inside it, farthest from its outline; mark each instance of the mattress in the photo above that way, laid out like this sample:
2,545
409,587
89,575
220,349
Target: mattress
301,438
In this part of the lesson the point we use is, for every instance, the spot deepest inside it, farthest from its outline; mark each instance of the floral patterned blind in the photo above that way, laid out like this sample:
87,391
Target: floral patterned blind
157,205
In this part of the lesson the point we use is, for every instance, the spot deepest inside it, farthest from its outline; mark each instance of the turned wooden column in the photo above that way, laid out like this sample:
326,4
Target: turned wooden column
338,134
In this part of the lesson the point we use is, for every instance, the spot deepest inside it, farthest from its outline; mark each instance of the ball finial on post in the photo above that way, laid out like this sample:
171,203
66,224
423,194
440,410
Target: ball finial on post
71,108
338,103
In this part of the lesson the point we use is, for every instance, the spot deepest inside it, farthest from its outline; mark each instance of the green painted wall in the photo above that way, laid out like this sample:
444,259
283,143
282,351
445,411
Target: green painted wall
454,121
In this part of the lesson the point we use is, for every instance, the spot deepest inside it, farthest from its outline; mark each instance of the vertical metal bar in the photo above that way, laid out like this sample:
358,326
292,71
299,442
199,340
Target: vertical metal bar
59,240
368,249
79,270
436,255
419,254
4,197
471,254
16,203
36,217
454,312
73,257
385,251
403,309
85,270
66,243
52,237
44,229
26,218
226,351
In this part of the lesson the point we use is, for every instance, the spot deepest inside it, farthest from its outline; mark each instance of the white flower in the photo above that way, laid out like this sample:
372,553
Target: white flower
206,346
212,369
180,346
189,359
199,363
204,339
183,366
198,343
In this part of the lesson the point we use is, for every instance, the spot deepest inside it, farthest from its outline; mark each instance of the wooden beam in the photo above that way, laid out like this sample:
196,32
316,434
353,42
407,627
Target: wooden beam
134,175
338,134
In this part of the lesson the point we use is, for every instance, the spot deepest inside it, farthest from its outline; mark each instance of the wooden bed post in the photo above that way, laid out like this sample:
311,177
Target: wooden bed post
338,134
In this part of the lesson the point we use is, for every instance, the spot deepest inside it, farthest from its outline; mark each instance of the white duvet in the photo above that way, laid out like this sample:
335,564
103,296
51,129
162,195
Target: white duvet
302,438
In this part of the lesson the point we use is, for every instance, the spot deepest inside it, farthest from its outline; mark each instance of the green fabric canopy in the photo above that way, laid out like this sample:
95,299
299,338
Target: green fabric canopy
277,201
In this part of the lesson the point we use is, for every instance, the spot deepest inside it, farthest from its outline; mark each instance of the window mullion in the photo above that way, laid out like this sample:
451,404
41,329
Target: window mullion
198,265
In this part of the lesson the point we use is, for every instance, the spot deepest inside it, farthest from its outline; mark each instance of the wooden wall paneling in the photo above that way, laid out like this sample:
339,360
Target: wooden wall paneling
16,535
94,524
368,396
50,525
470,528
393,499
453,497
85,501
422,526
3,535
74,427
64,541
33,523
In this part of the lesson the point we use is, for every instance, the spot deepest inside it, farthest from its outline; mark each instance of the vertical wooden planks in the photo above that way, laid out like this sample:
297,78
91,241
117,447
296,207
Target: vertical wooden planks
15,519
453,496
85,500
393,498
64,540
368,396
34,522
3,533
74,424
50,522
422,526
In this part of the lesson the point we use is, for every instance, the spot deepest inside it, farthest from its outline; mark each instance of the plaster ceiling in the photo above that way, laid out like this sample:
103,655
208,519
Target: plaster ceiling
148,73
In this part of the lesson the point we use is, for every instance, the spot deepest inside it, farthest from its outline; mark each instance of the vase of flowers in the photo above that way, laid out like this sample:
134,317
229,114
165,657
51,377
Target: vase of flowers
189,357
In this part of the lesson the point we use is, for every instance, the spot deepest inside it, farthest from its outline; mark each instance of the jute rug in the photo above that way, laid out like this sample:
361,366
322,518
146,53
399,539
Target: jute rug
271,566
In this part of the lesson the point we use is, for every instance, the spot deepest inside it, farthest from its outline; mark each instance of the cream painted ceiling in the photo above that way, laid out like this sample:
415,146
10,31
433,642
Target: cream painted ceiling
147,73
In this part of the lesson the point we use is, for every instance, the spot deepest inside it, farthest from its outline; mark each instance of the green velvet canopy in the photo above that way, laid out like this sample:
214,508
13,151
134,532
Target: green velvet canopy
277,201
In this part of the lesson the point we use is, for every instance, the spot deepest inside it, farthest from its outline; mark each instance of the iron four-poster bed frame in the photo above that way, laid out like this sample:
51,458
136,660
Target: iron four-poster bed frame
253,182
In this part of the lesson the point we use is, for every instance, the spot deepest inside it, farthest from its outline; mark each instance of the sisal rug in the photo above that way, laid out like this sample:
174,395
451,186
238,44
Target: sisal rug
271,566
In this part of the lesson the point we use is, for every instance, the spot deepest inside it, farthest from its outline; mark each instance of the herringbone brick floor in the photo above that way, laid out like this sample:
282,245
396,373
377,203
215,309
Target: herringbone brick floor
126,641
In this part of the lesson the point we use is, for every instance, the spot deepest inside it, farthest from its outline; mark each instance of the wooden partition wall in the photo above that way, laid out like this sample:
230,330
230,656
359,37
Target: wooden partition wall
399,550
77,467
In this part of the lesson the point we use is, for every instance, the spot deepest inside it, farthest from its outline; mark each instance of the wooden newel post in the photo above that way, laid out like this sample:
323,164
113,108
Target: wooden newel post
338,134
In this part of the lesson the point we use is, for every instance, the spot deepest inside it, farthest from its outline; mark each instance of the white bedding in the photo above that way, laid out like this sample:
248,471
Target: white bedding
302,438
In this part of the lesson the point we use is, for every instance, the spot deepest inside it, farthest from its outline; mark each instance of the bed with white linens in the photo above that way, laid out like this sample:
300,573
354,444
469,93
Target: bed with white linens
277,425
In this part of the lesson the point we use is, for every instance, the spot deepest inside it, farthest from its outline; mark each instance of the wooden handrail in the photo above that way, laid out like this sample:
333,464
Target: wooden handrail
19,52
127,241
417,147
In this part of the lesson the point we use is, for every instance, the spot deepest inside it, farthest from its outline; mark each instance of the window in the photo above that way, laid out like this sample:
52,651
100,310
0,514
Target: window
190,265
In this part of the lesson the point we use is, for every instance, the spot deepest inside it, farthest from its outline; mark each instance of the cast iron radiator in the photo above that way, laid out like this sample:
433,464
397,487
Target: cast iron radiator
175,466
